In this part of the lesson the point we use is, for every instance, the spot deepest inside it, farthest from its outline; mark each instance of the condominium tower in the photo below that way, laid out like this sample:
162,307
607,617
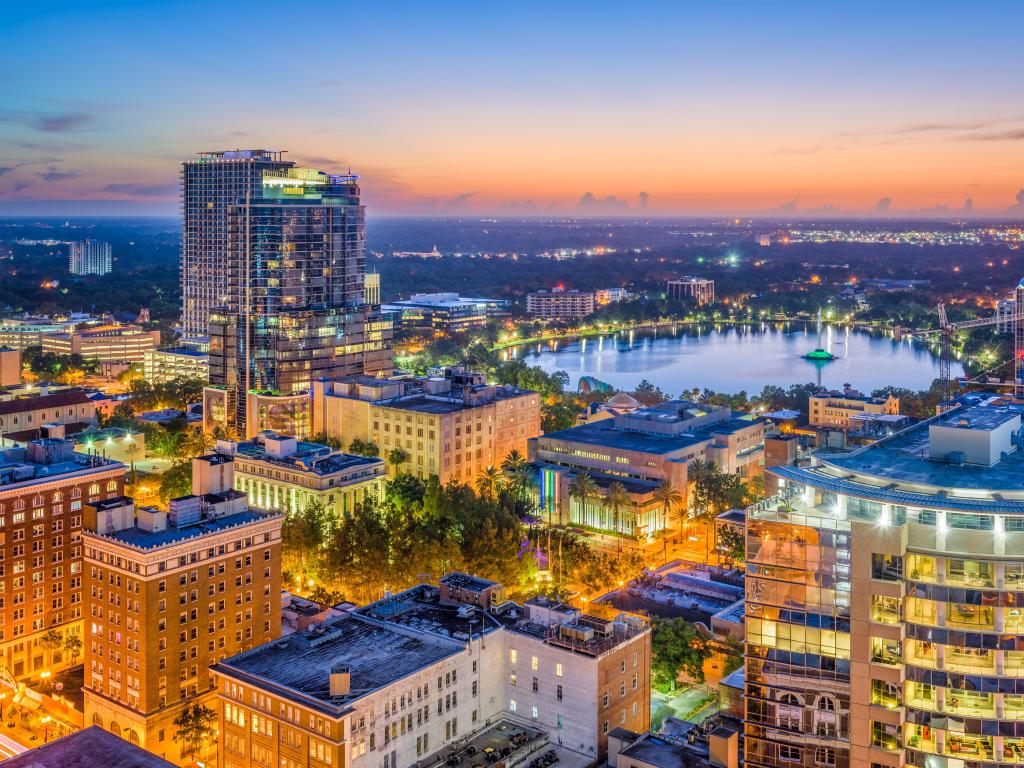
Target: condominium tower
884,593
89,257
292,307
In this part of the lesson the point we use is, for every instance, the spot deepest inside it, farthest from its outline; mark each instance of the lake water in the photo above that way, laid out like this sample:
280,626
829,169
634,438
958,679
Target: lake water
734,358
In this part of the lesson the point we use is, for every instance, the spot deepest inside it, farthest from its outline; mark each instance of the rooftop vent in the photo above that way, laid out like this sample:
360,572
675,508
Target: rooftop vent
341,680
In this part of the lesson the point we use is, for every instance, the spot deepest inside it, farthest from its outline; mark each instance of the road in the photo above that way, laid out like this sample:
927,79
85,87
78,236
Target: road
9,747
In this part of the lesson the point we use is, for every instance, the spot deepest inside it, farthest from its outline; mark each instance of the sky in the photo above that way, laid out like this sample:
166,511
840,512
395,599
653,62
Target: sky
524,108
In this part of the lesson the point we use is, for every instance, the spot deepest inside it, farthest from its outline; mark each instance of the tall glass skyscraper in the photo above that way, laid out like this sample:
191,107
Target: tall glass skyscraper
289,305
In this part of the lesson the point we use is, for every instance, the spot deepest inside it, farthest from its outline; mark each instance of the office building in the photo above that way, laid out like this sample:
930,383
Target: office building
28,331
396,682
293,307
641,448
840,410
90,257
43,488
10,367
104,343
445,312
883,590
453,426
168,594
284,474
697,289
163,365
560,304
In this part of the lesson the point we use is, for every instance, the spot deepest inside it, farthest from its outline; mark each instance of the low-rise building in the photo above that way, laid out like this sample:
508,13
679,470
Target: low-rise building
43,487
640,449
560,304
92,747
10,367
28,331
453,426
445,312
72,406
286,474
112,342
837,409
698,289
610,295
397,682
168,594
162,365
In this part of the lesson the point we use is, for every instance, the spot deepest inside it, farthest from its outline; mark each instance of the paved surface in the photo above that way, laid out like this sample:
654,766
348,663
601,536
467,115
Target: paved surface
680,704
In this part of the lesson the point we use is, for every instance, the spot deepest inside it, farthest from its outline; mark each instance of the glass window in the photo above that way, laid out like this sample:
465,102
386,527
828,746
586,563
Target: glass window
886,567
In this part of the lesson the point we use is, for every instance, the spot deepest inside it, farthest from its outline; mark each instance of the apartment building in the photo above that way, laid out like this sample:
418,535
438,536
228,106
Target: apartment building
453,426
560,304
43,487
163,365
640,449
698,289
168,594
397,682
105,343
883,591
840,409
282,473
90,257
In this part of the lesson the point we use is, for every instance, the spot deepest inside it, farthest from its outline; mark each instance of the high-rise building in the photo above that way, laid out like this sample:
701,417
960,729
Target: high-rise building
211,186
90,257
290,242
883,610
168,594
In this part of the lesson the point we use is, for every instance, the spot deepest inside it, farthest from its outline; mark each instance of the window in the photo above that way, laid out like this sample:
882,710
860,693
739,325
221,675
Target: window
512,655
886,567
789,753
824,756
534,663
512,706
885,736
558,669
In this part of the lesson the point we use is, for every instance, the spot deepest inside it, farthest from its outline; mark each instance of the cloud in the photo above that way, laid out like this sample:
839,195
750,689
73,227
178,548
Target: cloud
1017,207
884,205
1017,134
458,204
518,208
968,206
53,174
788,207
6,169
142,190
70,121
611,204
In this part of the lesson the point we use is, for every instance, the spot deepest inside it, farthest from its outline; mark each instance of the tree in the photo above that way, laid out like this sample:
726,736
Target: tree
53,641
361,448
678,646
198,443
615,499
488,482
582,489
73,645
732,543
396,458
176,481
194,725
304,534
667,495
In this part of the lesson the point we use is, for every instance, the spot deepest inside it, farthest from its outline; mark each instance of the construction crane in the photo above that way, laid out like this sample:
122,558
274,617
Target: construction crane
946,330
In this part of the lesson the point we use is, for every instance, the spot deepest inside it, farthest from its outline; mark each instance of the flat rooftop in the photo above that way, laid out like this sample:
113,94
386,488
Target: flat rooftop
309,457
605,433
145,540
89,748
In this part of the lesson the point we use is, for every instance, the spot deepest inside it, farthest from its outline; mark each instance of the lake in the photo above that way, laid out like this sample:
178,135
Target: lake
734,358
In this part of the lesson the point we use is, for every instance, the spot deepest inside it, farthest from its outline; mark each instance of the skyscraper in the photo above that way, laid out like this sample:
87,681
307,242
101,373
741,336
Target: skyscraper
293,307
89,257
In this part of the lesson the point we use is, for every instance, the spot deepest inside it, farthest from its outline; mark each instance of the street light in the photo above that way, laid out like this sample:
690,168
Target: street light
46,728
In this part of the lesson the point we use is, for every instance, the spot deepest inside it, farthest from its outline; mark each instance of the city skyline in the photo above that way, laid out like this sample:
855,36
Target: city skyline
527,112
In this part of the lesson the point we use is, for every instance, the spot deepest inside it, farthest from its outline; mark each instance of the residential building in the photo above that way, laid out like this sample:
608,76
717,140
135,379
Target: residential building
90,257
43,487
1006,312
92,747
453,426
610,295
163,365
396,682
371,288
71,407
284,474
883,585
10,367
560,304
170,593
698,289
105,343
838,409
294,306
445,312
641,448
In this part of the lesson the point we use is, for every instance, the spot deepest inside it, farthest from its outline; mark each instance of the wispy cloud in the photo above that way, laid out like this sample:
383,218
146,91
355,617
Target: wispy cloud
49,122
54,174
1016,134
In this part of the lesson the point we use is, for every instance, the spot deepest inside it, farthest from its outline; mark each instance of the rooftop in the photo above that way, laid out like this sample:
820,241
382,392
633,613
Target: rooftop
147,540
89,748
308,457
605,433
58,400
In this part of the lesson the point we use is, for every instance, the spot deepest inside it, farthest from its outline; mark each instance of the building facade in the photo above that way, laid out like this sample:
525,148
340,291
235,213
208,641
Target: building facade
284,474
163,365
698,289
395,682
882,617
839,410
641,448
90,257
72,406
560,304
105,343
43,488
294,305
169,594
453,426
445,312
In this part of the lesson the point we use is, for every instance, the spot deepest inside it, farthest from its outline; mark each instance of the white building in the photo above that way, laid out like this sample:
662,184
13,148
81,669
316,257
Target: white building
700,289
90,257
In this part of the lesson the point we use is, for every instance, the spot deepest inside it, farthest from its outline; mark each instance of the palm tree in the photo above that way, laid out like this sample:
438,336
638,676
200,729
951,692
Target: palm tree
667,495
488,482
397,457
582,489
615,499
513,461
199,443
704,475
